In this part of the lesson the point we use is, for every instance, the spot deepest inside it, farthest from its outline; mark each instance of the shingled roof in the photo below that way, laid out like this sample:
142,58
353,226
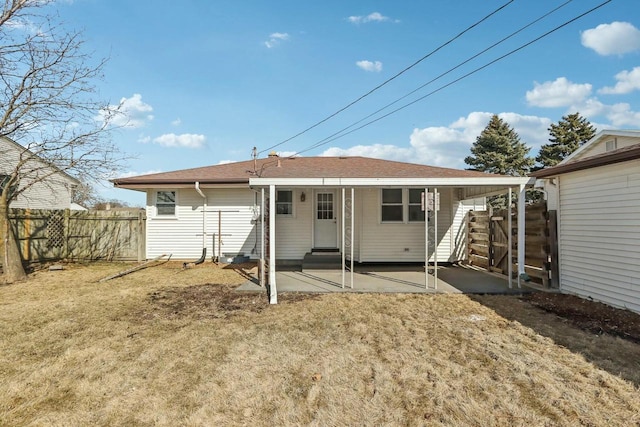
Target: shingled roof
296,167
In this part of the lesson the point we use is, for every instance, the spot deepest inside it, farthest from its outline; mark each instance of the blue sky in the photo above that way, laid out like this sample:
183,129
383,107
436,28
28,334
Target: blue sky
202,82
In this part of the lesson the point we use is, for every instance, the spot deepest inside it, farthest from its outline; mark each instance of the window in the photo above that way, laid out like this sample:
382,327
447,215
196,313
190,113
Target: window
284,202
611,145
166,203
392,205
324,206
416,214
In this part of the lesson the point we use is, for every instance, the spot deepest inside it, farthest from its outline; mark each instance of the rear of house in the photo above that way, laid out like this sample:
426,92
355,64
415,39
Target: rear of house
220,208
596,193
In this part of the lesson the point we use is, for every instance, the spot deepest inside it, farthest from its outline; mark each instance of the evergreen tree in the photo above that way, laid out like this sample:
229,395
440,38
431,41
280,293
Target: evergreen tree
498,149
567,136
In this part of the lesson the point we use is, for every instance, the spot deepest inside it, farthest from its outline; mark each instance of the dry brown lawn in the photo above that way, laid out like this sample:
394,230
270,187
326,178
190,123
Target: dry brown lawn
169,347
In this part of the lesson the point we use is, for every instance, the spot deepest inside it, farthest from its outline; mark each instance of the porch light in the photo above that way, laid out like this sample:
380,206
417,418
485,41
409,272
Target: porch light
303,197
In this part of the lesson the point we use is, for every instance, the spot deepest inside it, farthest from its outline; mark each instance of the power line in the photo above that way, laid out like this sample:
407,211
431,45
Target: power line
390,79
441,75
331,139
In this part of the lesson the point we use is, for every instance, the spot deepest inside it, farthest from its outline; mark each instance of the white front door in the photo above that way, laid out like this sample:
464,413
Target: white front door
326,224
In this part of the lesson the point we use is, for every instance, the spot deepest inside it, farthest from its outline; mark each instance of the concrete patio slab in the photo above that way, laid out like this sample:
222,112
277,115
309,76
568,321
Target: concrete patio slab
391,279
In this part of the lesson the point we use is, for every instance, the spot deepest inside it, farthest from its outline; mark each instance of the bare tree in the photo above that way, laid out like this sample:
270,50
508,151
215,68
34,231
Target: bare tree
47,106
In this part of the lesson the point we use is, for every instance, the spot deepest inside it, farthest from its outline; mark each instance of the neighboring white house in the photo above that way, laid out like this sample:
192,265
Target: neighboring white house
596,192
367,207
51,188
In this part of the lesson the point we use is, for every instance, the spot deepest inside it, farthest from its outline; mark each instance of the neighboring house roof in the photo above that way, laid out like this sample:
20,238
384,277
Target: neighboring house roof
295,167
631,152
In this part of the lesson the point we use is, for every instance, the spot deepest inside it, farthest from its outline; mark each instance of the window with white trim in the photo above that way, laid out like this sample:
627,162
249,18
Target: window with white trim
392,207
416,214
284,202
166,203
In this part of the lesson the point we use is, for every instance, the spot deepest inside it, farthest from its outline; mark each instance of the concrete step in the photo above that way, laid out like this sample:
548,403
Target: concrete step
322,261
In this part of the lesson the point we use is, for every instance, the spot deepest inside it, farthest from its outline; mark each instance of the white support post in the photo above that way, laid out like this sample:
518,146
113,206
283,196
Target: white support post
343,223
353,215
521,233
435,238
262,240
510,241
426,238
273,293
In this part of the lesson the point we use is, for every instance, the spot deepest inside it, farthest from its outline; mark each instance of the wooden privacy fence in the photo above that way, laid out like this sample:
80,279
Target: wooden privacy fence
51,235
488,237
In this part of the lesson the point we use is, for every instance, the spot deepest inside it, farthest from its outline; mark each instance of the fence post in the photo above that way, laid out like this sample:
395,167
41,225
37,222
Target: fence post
26,242
490,246
65,252
141,236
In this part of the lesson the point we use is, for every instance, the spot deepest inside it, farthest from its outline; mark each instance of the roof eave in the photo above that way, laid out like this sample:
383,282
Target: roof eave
504,181
587,163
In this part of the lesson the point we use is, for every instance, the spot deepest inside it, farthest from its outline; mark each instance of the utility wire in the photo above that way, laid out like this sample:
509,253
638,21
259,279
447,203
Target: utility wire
390,79
326,141
442,74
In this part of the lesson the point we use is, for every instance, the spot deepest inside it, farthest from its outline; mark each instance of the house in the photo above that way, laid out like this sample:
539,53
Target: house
48,186
367,210
596,193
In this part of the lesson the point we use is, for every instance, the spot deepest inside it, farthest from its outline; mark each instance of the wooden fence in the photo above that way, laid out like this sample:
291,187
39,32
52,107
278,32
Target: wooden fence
52,235
488,239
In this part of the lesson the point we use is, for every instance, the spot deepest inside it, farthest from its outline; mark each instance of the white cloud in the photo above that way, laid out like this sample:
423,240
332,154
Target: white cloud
612,39
558,93
628,81
447,146
130,112
370,66
226,162
188,140
275,39
176,122
144,139
372,17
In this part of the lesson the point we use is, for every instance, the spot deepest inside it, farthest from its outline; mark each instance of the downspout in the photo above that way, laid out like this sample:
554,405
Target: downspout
204,212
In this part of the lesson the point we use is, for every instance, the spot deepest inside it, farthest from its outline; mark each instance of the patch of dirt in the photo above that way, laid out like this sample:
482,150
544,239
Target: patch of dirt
211,301
589,315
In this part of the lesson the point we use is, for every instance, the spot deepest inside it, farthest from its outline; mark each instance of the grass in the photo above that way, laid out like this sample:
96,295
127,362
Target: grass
169,347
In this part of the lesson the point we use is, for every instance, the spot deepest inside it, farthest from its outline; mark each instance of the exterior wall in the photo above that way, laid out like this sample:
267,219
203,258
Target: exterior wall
599,234
181,235
53,192
600,146
402,242
294,232
460,209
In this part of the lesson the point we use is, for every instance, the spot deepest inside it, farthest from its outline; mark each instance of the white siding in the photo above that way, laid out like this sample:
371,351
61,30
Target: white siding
53,192
599,234
293,233
182,235
402,242
460,208
600,146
